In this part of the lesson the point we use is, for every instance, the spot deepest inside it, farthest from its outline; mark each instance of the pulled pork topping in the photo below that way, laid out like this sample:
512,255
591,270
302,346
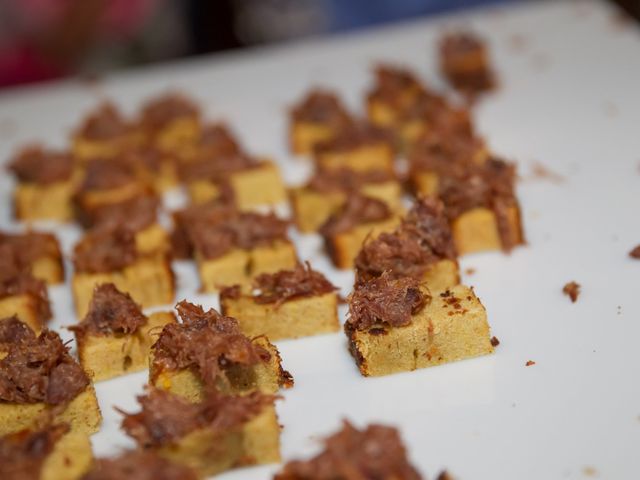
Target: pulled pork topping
385,302
352,137
43,167
428,223
321,106
440,117
161,111
166,417
346,180
41,370
393,84
357,210
103,174
25,248
141,465
218,139
206,342
22,454
134,214
110,312
376,453
216,168
242,230
105,250
104,123
399,253
287,285
464,62
445,152
13,332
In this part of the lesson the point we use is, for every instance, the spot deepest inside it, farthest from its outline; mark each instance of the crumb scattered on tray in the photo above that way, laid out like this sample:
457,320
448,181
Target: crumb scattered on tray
494,341
572,289
529,363
444,475
470,271
540,171
635,252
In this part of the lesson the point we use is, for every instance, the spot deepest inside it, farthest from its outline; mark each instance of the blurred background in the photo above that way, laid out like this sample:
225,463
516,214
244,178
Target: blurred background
43,40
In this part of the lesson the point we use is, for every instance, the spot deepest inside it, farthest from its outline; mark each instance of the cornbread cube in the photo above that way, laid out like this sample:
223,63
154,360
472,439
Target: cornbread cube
265,377
313,208
343,247
452,326
108,356
292,319
82,414
171,121
465,63
153,239
27,307
478,229
258,185
317,118
154,167
239,266
60,454
35,252
149,280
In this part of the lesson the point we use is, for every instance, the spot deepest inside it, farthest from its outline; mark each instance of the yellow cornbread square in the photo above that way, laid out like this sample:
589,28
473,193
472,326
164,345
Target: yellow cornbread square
344,246
312,208
152,239
108,356
82,414
25,307
442,275
179,132
301,317
86,149
93,199
424,183
149,281
44,202
306,135
70,458
48,269
365,158
477,230
448,329
239,266
208,453
263,377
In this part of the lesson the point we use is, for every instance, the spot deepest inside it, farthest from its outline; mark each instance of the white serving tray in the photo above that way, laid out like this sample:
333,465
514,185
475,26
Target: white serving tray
570,100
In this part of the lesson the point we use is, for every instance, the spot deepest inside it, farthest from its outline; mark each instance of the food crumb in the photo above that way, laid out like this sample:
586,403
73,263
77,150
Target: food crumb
529,363
444,475
635,252
471,270
589,471
495,342
572,289
539,171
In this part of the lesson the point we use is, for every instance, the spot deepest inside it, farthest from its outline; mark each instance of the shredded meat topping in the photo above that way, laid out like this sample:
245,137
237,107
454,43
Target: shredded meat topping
385,302
206,342
242,230
141,465
41,370
134,214
13,332
427,222
22,454
161,111
110,312
464,62
104,123
105,250
396,86
357,210
321,106
166,417
375,452
106,174
287,285
352,137
216,168
27,247
14,281
37,165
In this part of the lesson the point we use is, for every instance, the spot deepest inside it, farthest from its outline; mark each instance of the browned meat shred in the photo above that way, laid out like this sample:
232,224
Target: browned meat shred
572,289
358,209
206,342
287,285
43,167
376,452
323,107
166,417
13,332
346,180
41,370
161,111
104,123
110,312
105,250
385,302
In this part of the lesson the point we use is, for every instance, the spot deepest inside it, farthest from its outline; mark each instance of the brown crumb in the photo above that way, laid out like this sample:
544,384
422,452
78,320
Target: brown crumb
540,171
590,472
470,271
444,475
529,363
573,290
635,253
494,341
